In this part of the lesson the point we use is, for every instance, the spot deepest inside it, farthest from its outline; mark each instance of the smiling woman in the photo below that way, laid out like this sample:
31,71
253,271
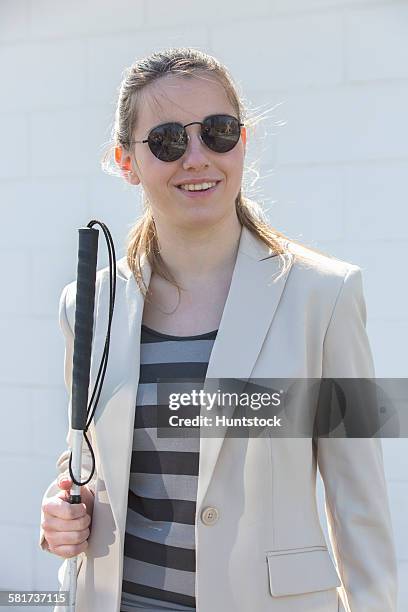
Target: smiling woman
181,107
209,290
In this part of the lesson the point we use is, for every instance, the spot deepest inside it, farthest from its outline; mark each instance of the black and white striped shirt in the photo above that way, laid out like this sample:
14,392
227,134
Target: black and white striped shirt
159,551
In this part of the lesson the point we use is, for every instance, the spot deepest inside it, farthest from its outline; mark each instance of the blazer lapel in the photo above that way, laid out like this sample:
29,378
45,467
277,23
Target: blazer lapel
254,294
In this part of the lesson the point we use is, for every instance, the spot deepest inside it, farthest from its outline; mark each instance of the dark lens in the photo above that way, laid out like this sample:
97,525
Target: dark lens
220,132
168,141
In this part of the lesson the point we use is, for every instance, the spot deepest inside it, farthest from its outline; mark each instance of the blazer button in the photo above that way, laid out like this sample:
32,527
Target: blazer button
209,515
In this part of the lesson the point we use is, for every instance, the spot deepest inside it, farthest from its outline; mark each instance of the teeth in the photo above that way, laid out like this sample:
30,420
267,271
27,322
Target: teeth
197,187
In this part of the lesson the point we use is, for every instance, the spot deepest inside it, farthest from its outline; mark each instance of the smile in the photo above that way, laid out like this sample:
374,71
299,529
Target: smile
199,193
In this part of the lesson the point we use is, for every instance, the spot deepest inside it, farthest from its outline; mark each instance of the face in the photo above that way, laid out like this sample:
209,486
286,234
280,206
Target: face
184,100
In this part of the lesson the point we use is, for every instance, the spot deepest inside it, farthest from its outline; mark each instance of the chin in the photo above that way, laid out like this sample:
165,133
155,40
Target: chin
203,218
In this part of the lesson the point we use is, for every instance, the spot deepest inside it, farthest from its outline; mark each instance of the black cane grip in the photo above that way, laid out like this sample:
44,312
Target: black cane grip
84,319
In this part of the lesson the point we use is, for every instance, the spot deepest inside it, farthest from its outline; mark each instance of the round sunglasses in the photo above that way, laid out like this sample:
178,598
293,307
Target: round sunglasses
168,141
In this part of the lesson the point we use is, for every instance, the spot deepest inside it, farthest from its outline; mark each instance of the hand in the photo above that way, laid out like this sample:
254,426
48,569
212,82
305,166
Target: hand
67,526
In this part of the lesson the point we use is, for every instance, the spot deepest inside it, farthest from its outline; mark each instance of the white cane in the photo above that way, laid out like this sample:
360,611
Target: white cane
84,321
74,498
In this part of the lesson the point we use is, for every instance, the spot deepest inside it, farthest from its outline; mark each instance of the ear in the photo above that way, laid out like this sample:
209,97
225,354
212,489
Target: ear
244,135
124,161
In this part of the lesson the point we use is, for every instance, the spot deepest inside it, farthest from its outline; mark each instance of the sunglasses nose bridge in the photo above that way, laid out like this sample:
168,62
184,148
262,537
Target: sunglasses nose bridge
196,131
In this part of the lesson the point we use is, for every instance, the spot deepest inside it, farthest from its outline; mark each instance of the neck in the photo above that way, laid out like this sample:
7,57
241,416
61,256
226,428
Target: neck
196,256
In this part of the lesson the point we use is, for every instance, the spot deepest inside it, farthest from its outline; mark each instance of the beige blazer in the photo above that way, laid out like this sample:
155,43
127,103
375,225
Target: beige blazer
265,551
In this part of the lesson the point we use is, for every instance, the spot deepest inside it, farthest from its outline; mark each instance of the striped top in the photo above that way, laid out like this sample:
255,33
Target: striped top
159,551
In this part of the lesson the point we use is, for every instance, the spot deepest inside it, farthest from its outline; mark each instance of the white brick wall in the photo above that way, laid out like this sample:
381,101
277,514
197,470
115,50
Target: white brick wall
43,75
333,159
376,43
280,52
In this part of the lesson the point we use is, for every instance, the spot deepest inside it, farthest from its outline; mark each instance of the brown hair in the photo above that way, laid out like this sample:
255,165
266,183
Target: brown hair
185,62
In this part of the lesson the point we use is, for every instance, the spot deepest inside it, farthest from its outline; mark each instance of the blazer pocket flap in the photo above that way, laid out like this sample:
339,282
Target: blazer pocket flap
303,570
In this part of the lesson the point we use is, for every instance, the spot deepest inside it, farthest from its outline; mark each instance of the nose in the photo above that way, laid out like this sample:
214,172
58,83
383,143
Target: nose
196,154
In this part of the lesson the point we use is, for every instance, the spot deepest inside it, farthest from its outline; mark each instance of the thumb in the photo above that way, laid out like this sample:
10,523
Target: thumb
65,483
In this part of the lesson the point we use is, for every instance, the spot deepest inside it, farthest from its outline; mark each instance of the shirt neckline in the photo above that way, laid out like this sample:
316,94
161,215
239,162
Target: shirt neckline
162,335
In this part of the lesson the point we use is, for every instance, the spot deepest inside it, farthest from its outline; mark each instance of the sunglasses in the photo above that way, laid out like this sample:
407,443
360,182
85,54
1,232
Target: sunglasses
168,141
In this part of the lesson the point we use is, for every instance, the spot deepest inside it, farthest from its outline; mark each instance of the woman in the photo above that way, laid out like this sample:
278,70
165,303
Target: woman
209,290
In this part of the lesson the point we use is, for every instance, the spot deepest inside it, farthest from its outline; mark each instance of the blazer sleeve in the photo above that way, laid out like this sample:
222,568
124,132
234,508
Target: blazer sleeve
356,501
63,459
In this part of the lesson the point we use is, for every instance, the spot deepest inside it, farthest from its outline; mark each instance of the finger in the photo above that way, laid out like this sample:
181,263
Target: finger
67,538
68,551
63,509
64,482
64,495
51,523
